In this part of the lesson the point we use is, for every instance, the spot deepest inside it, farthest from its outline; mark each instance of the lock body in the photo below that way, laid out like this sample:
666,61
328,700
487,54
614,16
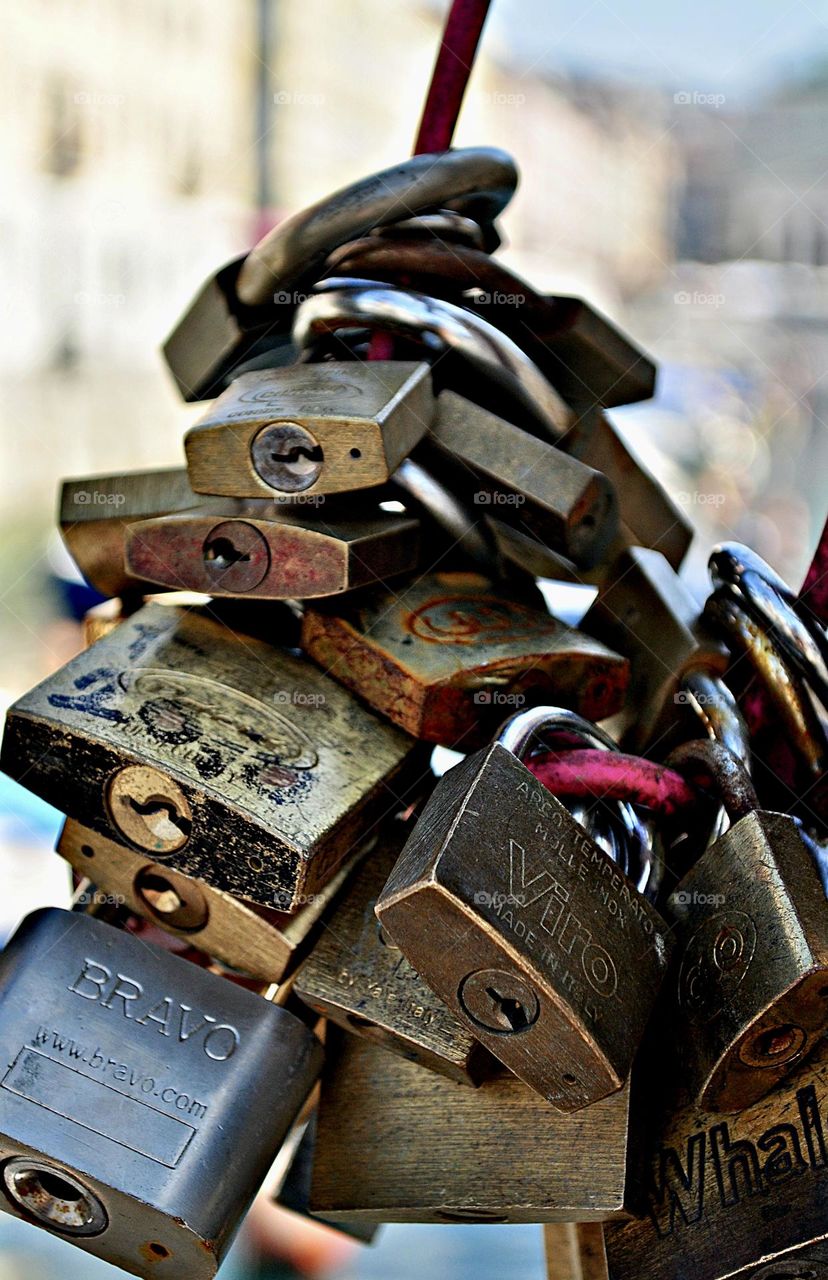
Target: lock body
728,1196
398,1143
751,976
310,428
527,930
295,1190
271,554
448,658
359,979
214,753
266,944
575,1251
128,1116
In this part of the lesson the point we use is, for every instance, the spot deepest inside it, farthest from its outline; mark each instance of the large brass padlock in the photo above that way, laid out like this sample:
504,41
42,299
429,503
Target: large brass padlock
728,1197
750,984
645,611
215,753
128,1116
262,943
398,1143
525,927
526,481
310,428
448,657
96,511
270,552
357,977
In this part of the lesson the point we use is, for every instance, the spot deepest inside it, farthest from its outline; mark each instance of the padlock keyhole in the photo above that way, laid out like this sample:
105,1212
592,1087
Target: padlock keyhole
160,814
512,1010
221,554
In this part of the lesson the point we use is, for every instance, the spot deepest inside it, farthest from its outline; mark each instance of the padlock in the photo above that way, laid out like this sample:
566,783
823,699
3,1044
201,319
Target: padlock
128,1116
524,926
398,1143
728,1197
357,977
527,481
266,944
310,429
295,1188
245,309
645,612
214,753
575,1251
750,980
271,552
95,513
447,657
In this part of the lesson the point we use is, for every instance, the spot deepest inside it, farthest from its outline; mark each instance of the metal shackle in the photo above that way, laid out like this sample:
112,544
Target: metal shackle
478,181
444,508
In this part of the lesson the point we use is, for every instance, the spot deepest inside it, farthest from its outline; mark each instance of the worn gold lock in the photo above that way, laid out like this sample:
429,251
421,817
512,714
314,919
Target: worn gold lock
737,1197
310,428
262,943
128,1116
645,611
215,753
398,1143
750,983
448,657
96,511
270,552
524,926
357,977
526,481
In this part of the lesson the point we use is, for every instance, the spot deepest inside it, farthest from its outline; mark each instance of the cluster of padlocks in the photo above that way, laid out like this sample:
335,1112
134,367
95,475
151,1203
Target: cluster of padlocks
580,978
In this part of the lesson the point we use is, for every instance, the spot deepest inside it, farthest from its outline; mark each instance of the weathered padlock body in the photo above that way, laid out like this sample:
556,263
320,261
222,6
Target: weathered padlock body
575,1251
95,513
359,979
737,1197
398,1143
271,552
448,657
128,1108
527,930
646,612
310,428
751,973
526,481
217,754
264,944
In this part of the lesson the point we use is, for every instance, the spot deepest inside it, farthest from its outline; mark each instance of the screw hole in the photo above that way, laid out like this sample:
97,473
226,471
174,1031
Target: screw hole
158,1250
569,1079
356,453
89,852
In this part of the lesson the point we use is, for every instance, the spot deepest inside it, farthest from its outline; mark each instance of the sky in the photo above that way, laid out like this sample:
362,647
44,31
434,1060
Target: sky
736,47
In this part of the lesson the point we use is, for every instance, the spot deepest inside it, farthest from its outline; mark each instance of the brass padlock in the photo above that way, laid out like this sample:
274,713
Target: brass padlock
524,926
645,611
310,428
729,1197
128,1123
398,1143
450,655
96,511
575,1251
751,969
262,943
271,552
357,977
215,753
527,481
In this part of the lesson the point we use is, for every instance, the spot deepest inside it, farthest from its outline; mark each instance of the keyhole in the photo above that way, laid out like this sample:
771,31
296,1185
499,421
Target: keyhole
161,817
510,1009
221,554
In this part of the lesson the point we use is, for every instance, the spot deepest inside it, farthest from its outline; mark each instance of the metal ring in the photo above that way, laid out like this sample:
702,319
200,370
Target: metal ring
478,181
352,304
445,225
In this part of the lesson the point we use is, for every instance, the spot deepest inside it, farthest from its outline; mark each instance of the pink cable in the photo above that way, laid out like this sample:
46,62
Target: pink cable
612,775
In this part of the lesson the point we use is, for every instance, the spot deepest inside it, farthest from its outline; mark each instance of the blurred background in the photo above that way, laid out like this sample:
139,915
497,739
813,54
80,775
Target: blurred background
675,173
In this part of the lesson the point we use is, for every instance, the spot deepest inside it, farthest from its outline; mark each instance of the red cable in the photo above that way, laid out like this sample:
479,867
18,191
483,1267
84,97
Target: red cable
612,775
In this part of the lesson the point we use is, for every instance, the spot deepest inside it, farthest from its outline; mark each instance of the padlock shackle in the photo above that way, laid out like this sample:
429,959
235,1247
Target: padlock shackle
445,509
704,763
523,730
